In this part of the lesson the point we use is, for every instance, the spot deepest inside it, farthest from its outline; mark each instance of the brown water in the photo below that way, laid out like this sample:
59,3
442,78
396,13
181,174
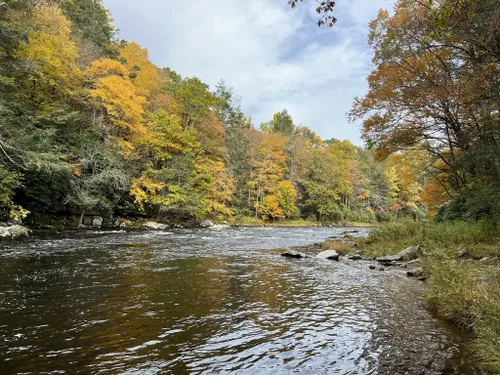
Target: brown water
206,302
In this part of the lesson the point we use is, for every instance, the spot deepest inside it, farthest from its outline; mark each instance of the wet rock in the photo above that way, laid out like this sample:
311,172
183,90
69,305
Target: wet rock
354,257
155,226
372,267
347,232
417,272
206,224
14,231
381,269
329,254
294,255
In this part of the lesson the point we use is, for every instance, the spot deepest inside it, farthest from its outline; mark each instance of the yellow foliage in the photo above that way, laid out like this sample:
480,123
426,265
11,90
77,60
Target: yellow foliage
143,187
220,189
51,51
112,90
144,75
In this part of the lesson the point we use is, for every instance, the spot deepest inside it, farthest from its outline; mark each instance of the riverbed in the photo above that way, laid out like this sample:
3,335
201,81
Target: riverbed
212,302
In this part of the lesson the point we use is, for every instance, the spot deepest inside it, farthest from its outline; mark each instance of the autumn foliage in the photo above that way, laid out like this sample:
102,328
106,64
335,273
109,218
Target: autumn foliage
111,133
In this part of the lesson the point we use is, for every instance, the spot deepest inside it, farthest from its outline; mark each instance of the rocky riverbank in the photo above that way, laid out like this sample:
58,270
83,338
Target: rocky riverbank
11,231
460,263
405,263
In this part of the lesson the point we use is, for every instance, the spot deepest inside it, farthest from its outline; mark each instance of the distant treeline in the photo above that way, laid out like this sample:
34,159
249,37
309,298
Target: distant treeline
88,124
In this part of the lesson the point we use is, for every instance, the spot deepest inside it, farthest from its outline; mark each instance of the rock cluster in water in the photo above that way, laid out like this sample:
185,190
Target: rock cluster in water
13,231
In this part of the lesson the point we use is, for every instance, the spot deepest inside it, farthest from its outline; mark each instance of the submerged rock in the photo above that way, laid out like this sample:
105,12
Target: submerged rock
329,254
372,267
354,257
155,226
14,231
294,254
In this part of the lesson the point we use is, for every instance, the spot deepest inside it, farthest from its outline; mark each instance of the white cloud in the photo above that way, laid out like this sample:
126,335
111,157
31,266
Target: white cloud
273,56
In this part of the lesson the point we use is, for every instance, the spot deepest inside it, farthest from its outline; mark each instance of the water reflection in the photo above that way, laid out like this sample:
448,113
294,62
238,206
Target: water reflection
202,302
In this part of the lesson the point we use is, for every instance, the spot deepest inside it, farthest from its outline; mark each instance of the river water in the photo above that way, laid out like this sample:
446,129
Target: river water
208,302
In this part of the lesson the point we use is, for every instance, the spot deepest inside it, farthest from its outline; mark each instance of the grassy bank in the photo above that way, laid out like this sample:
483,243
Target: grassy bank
462,262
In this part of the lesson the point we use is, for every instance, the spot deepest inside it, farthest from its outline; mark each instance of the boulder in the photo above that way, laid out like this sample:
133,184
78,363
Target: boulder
399,256
97,221
14,231
111,222
155,226
372,267
293,254
329,254
206,224
381,269
412,250
463,254
93,221
219,227
390,258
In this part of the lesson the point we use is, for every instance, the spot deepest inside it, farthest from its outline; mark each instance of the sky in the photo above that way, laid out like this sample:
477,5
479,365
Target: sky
272,56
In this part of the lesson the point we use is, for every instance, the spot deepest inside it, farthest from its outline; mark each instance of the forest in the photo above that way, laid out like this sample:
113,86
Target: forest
89,125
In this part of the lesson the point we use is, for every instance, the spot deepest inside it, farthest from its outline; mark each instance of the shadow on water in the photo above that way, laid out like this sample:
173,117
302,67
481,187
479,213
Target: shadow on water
206,302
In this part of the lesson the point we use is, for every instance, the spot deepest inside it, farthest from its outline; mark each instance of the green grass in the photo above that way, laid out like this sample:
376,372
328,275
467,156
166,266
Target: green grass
464,290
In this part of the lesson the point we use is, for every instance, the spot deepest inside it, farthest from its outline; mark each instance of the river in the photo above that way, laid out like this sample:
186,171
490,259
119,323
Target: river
211,302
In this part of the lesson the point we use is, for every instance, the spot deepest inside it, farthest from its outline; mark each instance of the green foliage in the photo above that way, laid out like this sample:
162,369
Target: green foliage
281,123
9,182
91,22
473,203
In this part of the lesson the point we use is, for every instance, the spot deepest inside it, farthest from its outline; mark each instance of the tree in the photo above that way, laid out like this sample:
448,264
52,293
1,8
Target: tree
281,123
324,9
91,22
114,94
142,72
50,54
